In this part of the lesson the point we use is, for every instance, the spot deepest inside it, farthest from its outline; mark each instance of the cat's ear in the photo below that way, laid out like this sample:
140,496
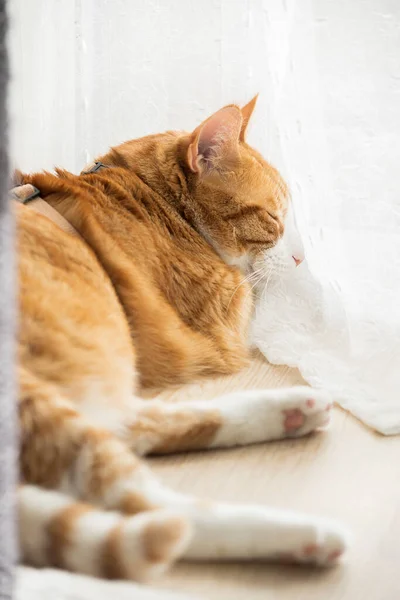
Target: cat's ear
215,139
247,111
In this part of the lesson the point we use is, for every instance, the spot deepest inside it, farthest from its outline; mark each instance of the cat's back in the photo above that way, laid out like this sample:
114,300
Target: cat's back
70,317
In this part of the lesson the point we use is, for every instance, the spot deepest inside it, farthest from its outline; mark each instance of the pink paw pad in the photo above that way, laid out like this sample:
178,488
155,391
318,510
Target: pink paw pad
294,419
311,550
310,403
333,557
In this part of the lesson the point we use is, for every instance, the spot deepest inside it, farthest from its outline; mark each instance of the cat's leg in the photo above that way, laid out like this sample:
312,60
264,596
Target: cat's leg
61,449
221,530
58,531
86,469
245,532
104,472
240,418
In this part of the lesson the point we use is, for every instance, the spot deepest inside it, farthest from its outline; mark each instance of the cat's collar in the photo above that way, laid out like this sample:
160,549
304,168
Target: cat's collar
93,167
29,194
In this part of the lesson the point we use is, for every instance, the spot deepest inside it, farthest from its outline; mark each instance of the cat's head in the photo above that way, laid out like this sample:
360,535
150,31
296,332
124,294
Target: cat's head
240,201
234,198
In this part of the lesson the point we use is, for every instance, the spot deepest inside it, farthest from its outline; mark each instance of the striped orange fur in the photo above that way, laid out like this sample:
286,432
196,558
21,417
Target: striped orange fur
152,295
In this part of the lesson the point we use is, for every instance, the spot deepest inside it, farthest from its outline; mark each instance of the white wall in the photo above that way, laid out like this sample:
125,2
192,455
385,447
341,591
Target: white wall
43,98
91,73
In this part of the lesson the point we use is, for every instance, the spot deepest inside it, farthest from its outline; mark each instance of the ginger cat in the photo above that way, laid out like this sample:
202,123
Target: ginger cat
151,293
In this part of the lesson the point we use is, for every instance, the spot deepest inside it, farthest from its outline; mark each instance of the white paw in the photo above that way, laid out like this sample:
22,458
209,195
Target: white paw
321,543
302,410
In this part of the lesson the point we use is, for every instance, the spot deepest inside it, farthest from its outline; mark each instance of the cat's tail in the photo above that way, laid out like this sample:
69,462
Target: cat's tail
56,530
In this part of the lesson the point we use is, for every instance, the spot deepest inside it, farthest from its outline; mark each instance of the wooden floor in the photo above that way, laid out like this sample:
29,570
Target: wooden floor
348,473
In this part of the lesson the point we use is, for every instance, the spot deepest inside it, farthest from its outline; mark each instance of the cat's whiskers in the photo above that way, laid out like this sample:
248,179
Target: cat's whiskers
258,280
264,291
246,279
259,272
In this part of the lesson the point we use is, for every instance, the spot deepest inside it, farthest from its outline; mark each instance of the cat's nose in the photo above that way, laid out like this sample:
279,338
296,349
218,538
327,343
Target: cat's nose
298,261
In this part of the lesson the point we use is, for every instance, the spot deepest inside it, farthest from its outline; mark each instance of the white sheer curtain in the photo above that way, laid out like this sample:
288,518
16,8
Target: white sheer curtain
91,73
338,318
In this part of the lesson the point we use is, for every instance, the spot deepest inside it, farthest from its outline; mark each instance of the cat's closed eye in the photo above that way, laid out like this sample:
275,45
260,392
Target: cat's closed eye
274,217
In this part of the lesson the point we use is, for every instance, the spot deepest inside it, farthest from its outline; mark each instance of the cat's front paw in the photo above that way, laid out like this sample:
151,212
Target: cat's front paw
303,410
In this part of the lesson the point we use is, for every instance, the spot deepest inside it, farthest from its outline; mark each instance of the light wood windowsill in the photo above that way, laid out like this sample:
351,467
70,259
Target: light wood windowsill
348,472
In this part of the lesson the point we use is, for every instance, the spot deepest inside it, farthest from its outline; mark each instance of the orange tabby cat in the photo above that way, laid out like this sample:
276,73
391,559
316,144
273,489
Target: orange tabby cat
151,293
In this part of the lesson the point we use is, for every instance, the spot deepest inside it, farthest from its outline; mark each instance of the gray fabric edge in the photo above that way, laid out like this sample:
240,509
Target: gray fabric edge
8,440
